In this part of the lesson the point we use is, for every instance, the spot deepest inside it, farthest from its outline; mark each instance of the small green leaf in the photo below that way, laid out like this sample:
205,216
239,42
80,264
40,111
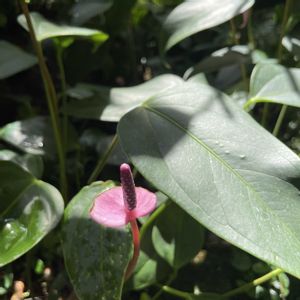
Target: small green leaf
96,257
29,209
34,136
39,266
276,84
261,75
110,104
176,236
145,272
45,29
292,44
14,60
227,56
151,268
29,162
8,280
193,16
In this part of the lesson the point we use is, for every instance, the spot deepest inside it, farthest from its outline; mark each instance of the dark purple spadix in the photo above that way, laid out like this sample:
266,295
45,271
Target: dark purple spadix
128,187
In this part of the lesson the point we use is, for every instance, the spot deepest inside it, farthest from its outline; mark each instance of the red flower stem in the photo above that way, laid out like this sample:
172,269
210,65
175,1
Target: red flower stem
136,249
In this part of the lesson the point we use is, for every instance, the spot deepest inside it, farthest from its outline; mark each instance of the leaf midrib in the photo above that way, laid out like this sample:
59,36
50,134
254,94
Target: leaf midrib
195,205
225,164
211,151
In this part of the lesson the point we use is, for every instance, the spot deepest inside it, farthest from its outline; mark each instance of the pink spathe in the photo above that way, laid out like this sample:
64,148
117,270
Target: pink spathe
110,210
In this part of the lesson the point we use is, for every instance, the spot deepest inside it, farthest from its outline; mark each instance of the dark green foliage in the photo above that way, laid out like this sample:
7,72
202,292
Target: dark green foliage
183,90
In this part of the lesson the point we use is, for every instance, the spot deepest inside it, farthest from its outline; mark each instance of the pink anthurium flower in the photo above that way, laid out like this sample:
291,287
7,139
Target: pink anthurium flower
122,205
118,206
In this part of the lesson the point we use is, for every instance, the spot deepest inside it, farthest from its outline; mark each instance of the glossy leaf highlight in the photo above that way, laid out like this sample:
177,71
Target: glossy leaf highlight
29,209
193,16
45,29
34,136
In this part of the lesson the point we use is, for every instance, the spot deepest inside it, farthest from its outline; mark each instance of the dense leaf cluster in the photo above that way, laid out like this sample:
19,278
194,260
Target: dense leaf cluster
201,97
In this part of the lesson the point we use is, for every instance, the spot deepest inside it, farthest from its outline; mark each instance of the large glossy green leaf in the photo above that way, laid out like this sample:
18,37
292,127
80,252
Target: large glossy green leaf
29,209
110,104
196,146
275,83
177,237
193,16
45,29
29,162
96,257
14,60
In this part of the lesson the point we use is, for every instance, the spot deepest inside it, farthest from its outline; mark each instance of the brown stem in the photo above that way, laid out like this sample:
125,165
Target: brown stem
51,100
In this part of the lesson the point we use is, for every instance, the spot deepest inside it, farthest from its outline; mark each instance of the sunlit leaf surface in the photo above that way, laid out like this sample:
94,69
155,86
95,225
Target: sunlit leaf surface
110,104
193,16
196,146
45,29
276,84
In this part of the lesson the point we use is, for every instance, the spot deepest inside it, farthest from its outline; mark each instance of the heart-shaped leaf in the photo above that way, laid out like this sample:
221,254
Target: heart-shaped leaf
96,257
29,209
177,237
193,16
45,29
196,146
31,163
110,104
275,83
14,60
